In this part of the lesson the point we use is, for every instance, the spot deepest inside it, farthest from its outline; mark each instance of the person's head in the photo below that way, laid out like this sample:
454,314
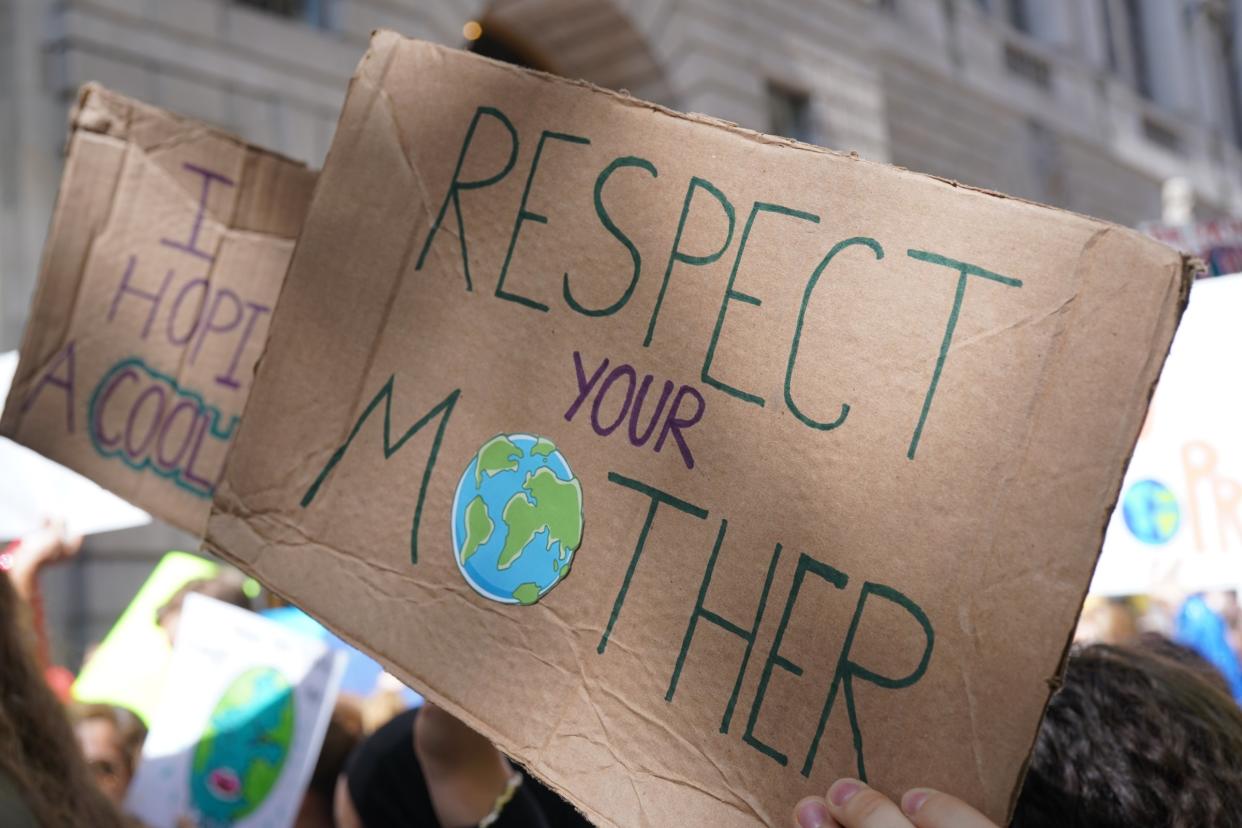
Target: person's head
111,739
1165,647
1134,737
1107,621
379,708
343,734
382,782
228,587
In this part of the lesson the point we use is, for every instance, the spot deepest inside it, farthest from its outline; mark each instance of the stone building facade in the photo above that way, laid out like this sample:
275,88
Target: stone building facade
1085,104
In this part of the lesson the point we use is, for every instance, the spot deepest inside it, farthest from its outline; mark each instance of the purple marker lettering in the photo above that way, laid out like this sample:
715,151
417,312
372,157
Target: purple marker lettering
675,424
151,391
175,310
97,424
191,245
210,325
154,298
190,475
65,383
635,439
166,427
584,385
617,373
228,380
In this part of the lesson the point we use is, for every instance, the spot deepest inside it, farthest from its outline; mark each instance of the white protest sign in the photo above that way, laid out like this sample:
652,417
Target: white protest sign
239,728
33,488
1178,522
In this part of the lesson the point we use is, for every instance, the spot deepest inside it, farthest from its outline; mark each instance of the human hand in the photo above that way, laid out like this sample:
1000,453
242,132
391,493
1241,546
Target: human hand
47,545
851,804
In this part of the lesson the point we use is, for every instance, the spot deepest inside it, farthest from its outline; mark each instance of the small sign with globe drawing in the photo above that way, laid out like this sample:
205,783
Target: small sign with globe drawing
517,519
241,722
1151,512
243,748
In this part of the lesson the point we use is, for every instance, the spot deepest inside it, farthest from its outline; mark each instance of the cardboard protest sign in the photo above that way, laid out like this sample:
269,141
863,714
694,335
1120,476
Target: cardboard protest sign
695,467
166,252
240,722
1178,523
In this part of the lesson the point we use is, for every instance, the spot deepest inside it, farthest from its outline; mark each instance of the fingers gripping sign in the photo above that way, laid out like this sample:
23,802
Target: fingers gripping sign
851,804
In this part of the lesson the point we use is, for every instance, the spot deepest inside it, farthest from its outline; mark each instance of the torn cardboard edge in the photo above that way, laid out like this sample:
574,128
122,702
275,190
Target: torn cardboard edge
100,110
625,98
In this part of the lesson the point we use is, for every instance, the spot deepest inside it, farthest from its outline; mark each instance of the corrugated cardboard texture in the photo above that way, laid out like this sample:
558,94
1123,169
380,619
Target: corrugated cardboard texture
844,528
166,254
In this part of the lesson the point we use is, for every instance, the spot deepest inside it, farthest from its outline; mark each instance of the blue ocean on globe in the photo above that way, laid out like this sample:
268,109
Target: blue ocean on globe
517,518
1151,512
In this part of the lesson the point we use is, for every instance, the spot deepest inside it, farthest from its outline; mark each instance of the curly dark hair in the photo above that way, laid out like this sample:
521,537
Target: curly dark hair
1135,736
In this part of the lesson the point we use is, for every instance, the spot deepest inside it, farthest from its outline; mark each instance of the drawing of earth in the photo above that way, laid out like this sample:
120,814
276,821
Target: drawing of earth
243,749
517,519
1151,512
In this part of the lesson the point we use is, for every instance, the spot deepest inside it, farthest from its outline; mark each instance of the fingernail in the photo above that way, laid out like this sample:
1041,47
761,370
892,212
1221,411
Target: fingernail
812,814
913,800
843,790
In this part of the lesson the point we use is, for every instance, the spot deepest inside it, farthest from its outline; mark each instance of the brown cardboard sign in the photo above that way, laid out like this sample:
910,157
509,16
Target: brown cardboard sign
166,253
695,467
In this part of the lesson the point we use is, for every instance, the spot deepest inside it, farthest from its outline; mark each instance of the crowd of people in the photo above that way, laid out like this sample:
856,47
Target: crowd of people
1144,730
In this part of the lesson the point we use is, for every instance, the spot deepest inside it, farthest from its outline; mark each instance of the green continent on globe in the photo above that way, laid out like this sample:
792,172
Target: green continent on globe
557,508
261,776
247,738
527,593
498,454
543,448
479,527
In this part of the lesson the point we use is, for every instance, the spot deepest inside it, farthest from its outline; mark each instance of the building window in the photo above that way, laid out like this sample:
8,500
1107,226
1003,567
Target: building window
314,12
1110,44
1048,165
490,41
1225,23
1030,67
1019,14
1162,134
789,113
1138,48
1234,93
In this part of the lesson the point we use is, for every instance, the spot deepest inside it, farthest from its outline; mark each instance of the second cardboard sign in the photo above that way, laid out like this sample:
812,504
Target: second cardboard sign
167,250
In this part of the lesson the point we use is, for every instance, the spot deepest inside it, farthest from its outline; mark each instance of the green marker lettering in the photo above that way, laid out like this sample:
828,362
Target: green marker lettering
797,337
457,185
527,215
805,564
677,255
848,670
611,227
657,497
964,270
737,295
723,623
443,410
